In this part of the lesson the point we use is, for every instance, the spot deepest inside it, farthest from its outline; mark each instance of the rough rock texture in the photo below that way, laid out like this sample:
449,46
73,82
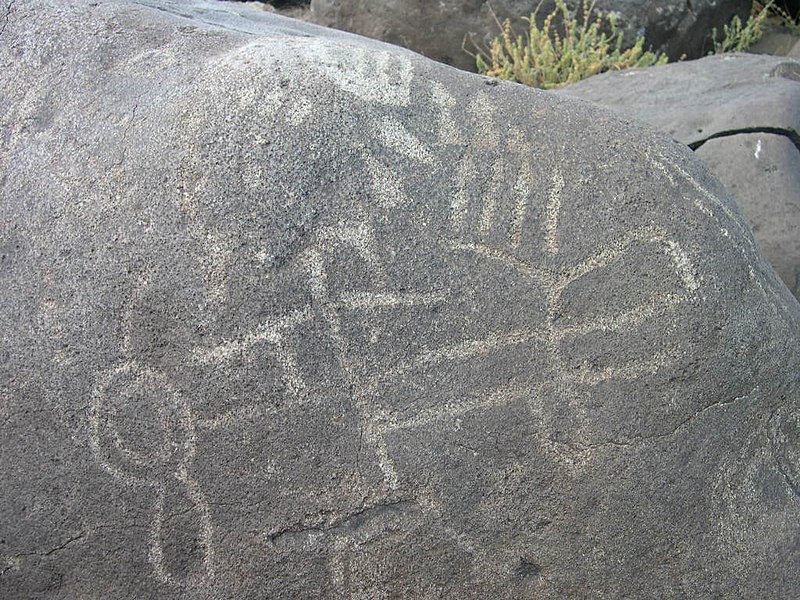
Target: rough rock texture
713,99
292,314
437,29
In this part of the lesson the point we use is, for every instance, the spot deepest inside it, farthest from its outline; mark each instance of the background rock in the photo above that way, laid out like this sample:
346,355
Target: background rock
762,170
777,38
748,97
437,29
289,313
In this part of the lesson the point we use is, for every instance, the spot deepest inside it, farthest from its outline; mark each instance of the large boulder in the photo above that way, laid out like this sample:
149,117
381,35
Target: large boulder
742,114
288,313
437,29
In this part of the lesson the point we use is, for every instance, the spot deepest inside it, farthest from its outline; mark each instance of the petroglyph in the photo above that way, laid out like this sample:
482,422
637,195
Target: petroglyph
702,195
162,468
359,236
449,133
468,349
395,135
523,188
487,134
553,211
453,409
655,306
387,188
218,254
501,198
237,416
555,283
271,331
458,206
374,76
376,300
490,198
539,274
317,272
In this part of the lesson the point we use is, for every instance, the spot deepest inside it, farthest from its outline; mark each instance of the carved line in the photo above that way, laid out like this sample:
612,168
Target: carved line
588,376
270,331
318,282
541,275
395,135
611,252
716,201
374,77
451,410
494,342
522,192
557,283
387,188
486,136
358,235
449,132
186,424
458,206
237,415
377,300
552,212
657,305
490,199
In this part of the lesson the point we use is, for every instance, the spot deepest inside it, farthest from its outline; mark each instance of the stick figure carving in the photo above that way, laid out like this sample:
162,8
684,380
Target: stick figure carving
164,466
162,463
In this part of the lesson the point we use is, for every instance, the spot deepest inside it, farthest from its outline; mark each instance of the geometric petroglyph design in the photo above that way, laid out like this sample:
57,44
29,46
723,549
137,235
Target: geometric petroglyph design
166,463
162,464
374,76
277,334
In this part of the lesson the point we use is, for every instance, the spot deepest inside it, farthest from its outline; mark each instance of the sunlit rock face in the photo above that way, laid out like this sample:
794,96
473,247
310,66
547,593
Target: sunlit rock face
288,313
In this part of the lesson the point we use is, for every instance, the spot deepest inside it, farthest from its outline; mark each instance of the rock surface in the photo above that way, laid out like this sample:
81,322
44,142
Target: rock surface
437,29
762,171
733,101
292,314
777,39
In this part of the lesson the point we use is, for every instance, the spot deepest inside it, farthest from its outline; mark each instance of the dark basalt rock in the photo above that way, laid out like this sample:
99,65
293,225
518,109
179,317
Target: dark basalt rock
288,313
762,170
742,114
437,29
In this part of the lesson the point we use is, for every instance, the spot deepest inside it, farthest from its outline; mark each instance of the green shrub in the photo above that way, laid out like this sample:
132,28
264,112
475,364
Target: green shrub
738,36
564,50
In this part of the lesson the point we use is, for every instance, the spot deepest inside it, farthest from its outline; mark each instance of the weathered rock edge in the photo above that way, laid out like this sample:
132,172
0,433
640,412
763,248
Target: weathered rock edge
287,313
717,98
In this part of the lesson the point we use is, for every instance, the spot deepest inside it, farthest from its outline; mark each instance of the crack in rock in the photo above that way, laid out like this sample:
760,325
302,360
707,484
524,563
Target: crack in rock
7,16
791,134
681,425
345,521
58,548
